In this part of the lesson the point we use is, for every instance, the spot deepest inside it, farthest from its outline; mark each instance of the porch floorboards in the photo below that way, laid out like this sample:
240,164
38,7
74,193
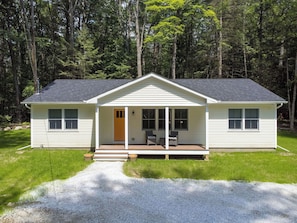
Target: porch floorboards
152,147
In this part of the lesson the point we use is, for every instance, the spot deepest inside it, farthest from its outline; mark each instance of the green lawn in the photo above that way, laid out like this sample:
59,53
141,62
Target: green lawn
22,170
278,166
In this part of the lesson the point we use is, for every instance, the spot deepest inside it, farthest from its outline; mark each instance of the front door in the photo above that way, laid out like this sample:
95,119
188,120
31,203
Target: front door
119,124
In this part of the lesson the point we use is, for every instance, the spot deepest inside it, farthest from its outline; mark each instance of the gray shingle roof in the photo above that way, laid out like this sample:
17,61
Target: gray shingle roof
64,90
229,90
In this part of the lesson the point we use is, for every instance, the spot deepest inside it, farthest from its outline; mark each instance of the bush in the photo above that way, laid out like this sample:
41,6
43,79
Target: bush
5,119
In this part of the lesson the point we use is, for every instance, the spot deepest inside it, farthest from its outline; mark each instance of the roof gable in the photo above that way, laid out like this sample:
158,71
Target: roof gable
150,92
152,78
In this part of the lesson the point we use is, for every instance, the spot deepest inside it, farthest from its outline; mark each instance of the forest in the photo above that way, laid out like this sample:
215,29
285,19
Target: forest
44,40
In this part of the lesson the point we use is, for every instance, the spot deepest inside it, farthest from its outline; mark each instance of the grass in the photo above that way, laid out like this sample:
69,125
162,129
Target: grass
23,170
278,166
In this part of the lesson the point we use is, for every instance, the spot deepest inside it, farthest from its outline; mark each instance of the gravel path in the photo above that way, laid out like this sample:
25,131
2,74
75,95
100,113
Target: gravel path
102,193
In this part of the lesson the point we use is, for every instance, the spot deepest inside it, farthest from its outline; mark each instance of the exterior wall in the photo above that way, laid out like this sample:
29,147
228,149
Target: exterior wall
194,135
219,134
221,137
83,137
151,93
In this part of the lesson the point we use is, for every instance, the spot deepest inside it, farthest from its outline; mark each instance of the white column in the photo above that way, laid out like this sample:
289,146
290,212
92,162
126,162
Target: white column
126,127
97,138
206,127
166,127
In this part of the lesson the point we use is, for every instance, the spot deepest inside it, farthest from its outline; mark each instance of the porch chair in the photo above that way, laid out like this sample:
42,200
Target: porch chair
151,138
173,138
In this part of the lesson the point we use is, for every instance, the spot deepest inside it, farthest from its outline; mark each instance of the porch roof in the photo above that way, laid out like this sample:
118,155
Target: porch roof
221,90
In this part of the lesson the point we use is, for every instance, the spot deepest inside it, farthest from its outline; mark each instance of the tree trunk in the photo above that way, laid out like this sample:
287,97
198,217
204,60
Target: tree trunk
139,39
221,48
281,54
288,89
244,47
173,68
29,29
70,25
293,103
14,67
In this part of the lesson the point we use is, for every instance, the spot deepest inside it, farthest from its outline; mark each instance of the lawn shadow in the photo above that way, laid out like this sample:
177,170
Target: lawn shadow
14,139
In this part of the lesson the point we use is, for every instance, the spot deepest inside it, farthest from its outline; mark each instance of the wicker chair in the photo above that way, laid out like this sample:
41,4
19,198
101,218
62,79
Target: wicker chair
173,138
151,138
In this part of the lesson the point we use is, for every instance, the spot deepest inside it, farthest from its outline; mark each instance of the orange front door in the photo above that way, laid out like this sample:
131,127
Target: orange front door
119,124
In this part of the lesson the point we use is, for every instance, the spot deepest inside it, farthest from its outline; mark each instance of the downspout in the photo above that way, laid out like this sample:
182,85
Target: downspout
277,107
27,106
280,106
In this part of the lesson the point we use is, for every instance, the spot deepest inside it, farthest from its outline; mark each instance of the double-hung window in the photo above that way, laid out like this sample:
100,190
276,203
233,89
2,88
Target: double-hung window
63,119
181,119
55,118
162,119
244,118
235,118
148,119
251,118
71,116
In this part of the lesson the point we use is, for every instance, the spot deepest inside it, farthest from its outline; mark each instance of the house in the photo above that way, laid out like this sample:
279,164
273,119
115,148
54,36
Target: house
112,116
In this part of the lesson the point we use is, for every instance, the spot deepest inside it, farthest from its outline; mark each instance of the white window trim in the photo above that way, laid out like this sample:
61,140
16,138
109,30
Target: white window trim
63,119
243,119
149,119
174,119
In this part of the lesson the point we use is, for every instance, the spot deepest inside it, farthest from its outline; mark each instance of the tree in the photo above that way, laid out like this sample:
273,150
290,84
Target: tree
29,29
85,58
139,34
166,25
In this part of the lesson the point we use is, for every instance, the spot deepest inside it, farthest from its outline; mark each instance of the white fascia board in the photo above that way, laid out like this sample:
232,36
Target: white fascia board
150,105
150,75
251,102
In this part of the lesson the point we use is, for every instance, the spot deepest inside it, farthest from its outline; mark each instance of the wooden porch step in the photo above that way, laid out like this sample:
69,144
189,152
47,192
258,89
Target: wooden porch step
110,156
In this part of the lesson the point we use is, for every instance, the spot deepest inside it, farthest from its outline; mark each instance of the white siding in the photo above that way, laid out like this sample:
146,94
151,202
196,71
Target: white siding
151,93
221,137
194,135
83,137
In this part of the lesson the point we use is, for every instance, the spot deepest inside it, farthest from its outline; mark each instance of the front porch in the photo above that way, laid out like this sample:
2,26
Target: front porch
118,152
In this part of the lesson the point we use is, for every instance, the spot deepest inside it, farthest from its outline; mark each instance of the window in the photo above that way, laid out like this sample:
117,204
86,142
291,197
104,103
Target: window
162,119
181,119
148,119
235,118
244,118
251,118
55,118
59,119
71,116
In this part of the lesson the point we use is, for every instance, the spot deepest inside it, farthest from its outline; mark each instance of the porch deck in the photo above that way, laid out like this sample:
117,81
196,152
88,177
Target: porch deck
118,152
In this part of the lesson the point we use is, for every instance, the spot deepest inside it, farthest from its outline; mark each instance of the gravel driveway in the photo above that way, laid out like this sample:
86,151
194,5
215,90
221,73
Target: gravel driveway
102,193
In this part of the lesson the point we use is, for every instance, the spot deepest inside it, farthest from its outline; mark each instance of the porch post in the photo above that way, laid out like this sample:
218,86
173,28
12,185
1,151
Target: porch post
97,138
166,127
126,127
206,127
